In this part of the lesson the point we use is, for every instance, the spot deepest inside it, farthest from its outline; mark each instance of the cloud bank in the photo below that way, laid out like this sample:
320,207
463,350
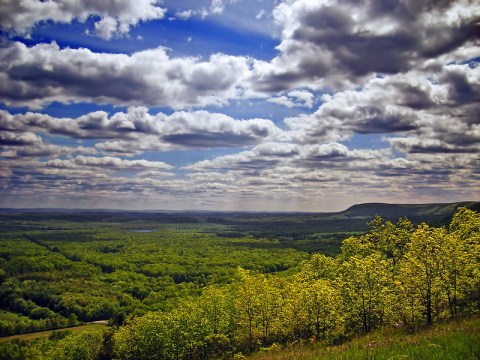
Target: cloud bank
383,102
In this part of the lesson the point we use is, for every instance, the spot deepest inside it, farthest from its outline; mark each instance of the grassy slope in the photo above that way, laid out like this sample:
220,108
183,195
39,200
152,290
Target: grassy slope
457,339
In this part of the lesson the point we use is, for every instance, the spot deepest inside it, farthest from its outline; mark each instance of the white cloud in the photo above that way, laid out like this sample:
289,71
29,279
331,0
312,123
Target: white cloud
116,17
260,14
282,100
137,130
440,106
302,96
217,7
294,98
112,163
37,75
185,14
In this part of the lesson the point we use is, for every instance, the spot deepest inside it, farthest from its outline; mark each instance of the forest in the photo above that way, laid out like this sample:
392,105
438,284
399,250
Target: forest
211,286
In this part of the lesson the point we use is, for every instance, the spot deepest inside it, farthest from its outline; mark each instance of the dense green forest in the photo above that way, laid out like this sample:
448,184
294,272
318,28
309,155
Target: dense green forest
190,286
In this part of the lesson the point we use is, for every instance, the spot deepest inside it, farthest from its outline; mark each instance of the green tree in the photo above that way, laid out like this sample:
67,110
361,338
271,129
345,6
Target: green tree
86,345
366,290
257,308
144,337
390,239
465,233
420,272
325,317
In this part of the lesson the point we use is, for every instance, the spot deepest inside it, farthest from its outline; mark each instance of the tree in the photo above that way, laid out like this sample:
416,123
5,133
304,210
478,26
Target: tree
86,345
144,337
325,318
465,233
366,290
217,308
257,304
420,271
390,239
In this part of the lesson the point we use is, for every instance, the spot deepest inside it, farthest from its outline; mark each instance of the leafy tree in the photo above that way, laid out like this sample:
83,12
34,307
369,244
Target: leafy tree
217,308
143,337
319,267
390,239
325,318
257,304
420,272
86,345
465,241
365,289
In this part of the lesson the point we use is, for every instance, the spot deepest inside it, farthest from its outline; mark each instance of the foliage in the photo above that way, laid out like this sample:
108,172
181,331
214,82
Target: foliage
187,293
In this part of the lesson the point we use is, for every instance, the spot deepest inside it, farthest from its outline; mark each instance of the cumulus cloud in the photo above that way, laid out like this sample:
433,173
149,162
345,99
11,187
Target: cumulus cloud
96,183
108,162
17,142
137,130
216,7
8,138
325,171
431,111
333,44
294,98
38,75
261,156
17,151
333,166
116,17
272,155
202,129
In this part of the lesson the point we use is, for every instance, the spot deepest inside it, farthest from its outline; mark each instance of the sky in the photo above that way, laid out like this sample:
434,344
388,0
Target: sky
238,105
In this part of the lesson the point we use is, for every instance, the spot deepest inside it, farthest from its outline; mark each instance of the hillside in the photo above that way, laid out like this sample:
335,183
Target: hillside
455,339
438,211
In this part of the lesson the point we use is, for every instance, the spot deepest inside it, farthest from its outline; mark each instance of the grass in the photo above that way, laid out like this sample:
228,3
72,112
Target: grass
458,339
46,334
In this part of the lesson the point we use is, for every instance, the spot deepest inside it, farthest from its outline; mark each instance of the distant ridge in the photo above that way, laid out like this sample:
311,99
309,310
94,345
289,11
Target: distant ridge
444,210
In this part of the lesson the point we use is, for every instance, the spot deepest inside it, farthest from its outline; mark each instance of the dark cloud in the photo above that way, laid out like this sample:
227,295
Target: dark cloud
8,138
208,140
429,112
330,44
435,145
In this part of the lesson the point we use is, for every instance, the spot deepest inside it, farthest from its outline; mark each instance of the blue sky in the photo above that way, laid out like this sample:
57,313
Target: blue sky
292,105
